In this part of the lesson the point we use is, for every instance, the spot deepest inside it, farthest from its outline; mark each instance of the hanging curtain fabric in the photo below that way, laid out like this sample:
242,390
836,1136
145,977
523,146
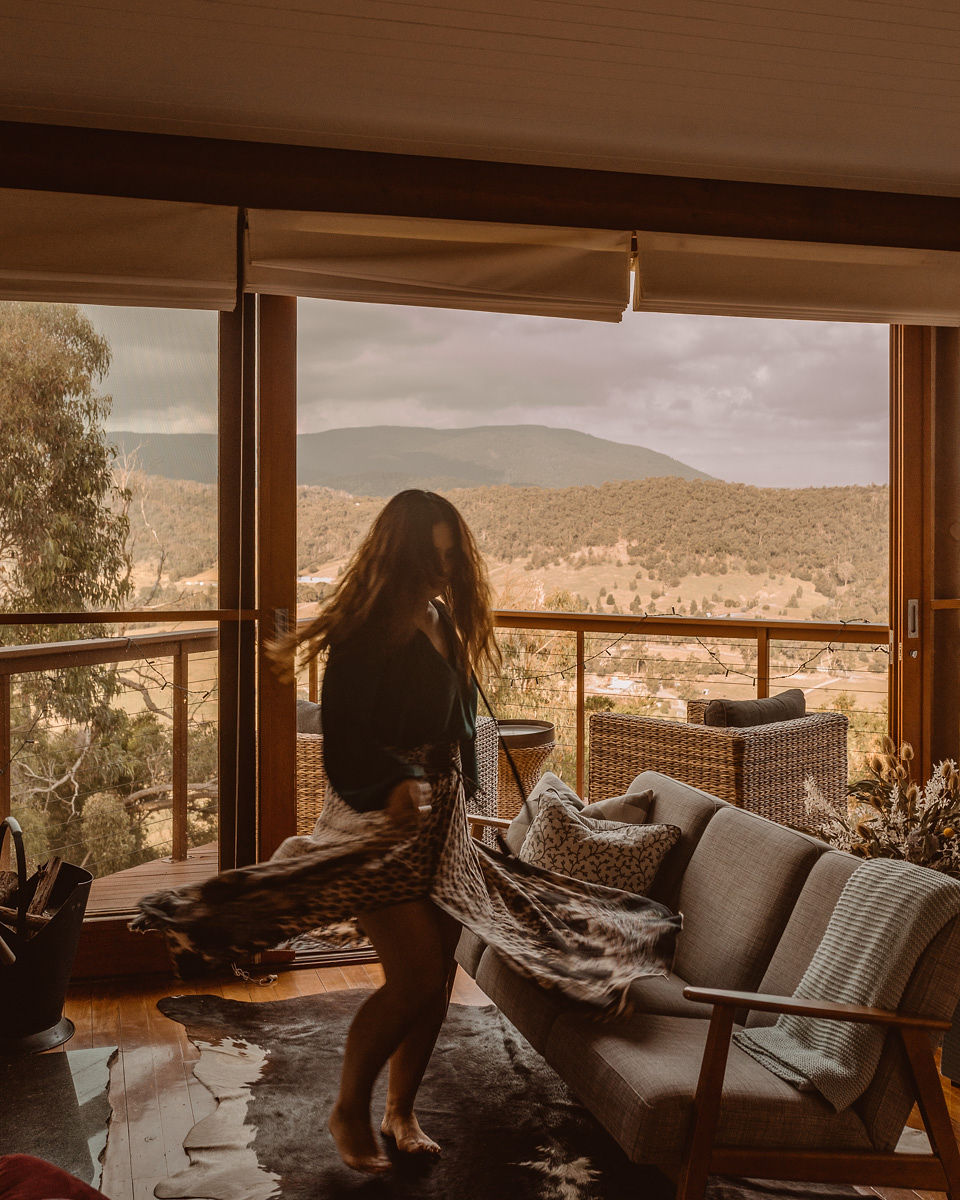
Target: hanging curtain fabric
750,277
109,250
488,267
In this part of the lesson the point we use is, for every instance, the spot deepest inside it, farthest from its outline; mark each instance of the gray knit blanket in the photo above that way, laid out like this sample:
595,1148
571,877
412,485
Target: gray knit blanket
886,916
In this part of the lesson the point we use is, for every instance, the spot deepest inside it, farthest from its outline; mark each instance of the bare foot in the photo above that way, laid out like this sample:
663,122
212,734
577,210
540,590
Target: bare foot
408,1135
356,1144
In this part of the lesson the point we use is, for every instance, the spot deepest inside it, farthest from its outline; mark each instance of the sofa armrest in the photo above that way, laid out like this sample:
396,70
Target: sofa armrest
478,822
701,1157
810,1008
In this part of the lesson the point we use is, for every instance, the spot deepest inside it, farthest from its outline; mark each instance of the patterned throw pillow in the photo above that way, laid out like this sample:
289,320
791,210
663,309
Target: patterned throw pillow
608,852
547,784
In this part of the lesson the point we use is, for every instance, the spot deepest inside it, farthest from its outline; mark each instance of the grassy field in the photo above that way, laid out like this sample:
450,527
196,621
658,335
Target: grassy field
714,595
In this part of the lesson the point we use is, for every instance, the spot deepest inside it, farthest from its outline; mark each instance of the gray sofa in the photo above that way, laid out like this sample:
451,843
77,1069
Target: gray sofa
756,898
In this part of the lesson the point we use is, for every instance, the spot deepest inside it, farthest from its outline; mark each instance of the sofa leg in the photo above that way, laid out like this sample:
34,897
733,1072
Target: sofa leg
933,1107
706,1106
692,1184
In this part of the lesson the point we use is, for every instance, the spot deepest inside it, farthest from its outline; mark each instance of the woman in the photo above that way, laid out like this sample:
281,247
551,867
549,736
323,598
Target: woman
409,625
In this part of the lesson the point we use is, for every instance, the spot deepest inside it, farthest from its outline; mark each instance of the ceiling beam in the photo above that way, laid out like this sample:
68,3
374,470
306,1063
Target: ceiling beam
270,175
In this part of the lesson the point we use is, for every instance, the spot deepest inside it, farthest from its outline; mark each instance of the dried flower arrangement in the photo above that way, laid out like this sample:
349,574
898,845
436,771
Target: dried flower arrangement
890,816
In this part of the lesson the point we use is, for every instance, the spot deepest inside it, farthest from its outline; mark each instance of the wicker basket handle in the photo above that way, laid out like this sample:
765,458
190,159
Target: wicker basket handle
16,833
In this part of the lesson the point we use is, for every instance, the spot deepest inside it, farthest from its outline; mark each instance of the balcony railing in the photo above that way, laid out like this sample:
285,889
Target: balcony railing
556,666
168,659
563,664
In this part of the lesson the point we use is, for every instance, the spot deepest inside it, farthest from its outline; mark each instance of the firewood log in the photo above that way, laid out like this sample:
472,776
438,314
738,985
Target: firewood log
45,885
8,916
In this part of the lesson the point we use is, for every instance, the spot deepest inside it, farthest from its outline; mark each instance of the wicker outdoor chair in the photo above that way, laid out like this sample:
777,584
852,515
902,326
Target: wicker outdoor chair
312,779
762,768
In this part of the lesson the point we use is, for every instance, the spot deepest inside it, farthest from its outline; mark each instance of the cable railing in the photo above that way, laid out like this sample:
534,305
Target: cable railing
556,667
561,666
108,746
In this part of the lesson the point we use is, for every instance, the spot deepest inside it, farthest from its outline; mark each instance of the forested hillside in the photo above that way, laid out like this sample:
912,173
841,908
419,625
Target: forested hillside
821,551
378,460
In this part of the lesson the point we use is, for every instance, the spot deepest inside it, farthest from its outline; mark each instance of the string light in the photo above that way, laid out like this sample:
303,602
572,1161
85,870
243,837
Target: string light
570,667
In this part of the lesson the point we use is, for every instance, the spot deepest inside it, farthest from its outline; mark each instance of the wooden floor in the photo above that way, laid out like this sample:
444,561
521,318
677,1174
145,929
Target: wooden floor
119,893
160,1100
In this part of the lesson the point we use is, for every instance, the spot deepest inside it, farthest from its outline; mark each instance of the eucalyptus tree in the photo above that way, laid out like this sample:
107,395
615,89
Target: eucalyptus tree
63,532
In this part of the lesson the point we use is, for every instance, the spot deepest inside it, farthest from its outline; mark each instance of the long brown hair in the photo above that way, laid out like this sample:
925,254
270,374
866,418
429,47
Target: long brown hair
384,584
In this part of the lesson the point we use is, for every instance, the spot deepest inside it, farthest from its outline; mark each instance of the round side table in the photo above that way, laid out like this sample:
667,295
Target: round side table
530,744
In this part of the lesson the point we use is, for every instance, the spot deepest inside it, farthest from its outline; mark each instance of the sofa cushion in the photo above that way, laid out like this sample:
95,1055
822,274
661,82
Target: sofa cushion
308,717
737,894
633,809
547,784
663,995
787,706
611,853
531,1009
638,1076
805,928
691,810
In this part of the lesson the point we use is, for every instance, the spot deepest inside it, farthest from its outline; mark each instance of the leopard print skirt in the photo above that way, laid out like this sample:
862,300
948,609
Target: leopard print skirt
588,941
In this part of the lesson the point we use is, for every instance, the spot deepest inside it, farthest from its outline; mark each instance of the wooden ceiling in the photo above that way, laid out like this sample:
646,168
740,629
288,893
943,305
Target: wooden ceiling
837,93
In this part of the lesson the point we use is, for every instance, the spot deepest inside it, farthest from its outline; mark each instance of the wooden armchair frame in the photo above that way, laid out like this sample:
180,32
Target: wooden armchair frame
939,1171
478,823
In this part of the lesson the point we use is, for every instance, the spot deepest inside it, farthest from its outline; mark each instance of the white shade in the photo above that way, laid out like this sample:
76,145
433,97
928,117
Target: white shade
109,250
440,264
813,280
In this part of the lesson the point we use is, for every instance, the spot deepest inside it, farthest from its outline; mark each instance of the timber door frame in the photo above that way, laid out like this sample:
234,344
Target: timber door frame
924,679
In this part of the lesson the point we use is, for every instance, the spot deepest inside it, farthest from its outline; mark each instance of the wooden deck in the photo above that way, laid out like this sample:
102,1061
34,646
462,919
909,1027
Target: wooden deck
117,894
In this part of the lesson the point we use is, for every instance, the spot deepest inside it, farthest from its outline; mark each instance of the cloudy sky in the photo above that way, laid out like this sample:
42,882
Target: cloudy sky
773,403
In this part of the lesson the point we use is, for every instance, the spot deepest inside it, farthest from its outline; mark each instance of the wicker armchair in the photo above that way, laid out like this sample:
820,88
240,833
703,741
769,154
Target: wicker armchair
761,768
312,779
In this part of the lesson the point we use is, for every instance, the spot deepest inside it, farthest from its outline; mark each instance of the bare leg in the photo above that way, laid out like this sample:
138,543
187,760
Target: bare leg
408,943
412,1055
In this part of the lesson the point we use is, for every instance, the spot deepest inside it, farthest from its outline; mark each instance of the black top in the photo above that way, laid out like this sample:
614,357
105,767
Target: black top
378,702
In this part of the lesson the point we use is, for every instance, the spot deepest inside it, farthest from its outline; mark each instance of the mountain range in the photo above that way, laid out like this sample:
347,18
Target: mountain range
382,459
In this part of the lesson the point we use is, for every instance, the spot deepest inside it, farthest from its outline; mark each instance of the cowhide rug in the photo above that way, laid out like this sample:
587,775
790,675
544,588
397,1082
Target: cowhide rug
510,1128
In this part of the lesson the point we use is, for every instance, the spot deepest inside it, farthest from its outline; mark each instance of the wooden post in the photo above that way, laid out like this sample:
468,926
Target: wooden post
581,716
181,696
942,646
313,677
236,661
5,764
763,662
911,375
277,563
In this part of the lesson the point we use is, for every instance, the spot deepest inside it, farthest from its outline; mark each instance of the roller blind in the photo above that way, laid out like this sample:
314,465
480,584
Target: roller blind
110,250
813,280
440,264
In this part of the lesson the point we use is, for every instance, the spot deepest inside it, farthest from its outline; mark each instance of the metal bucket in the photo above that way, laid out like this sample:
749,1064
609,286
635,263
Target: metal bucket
34,985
